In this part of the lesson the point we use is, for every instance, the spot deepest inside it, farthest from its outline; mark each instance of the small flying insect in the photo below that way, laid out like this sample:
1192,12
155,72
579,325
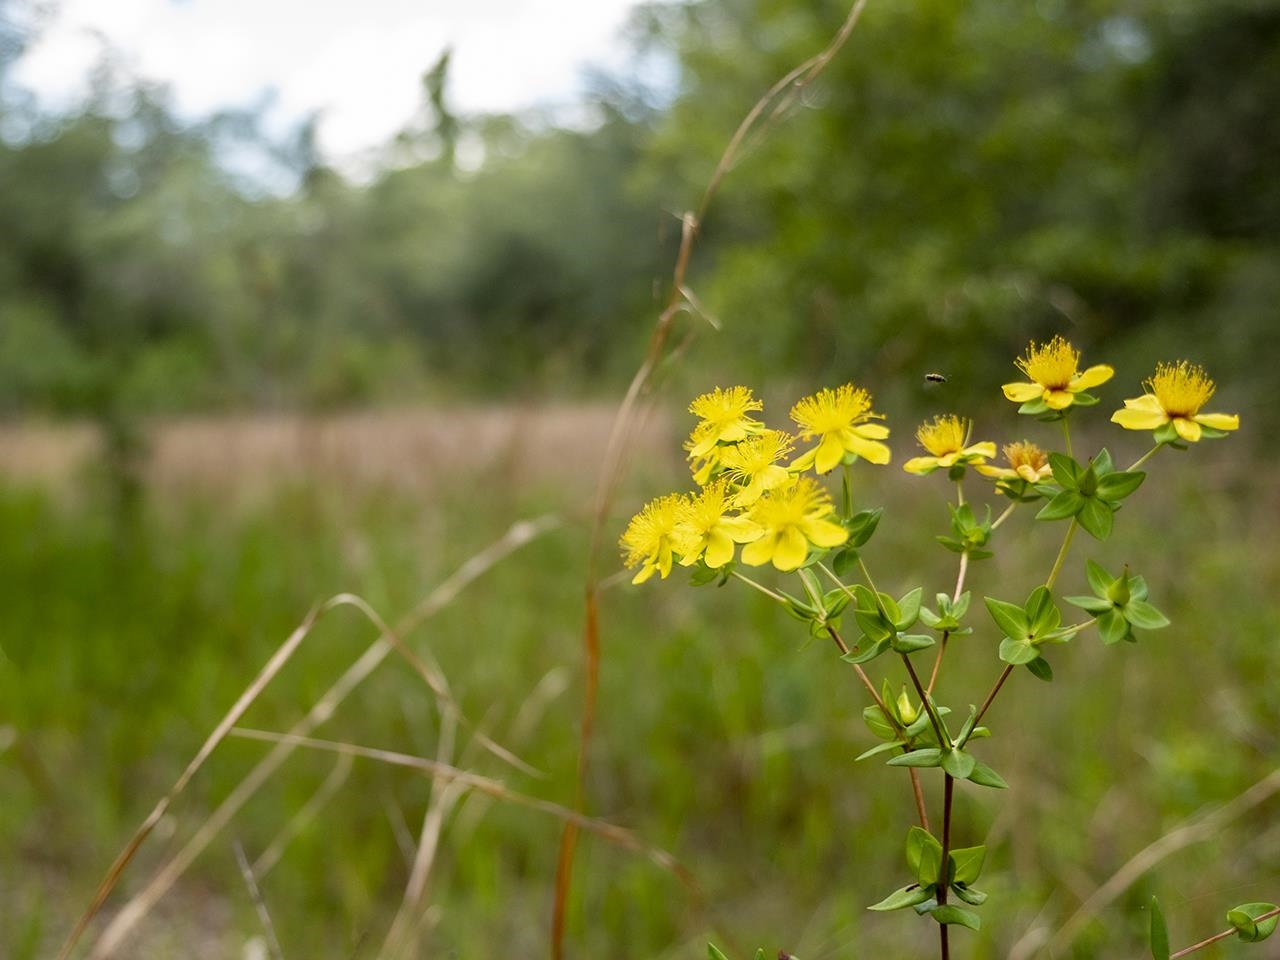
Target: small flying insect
935,378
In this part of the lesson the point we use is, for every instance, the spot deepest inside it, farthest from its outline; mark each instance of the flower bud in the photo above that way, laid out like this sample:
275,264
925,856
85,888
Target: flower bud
907,713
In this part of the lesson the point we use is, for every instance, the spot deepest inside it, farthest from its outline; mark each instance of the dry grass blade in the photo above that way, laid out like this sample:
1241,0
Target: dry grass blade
260,905
624,424
1195,829
399,941
517,536
620,836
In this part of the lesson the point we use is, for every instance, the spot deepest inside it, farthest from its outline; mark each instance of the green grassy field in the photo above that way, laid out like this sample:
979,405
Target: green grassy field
722,736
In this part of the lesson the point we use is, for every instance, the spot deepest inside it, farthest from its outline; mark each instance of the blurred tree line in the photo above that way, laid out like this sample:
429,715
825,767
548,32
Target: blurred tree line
962,177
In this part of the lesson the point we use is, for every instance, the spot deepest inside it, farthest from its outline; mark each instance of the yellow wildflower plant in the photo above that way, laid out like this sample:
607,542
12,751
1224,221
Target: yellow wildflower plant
1055,377
649,540
946,438
753,465
839,420
792,518
1026,462
706,532
1173,399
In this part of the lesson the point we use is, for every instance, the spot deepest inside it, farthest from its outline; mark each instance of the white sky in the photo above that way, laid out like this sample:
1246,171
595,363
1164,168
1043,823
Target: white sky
359,61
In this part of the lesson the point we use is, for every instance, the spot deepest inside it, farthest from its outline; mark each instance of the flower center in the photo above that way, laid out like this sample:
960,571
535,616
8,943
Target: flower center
1182,388
830,410
1023,453
1052,365
944,435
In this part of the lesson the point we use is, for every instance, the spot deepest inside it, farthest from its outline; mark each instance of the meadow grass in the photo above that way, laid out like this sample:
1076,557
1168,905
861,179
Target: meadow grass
723,737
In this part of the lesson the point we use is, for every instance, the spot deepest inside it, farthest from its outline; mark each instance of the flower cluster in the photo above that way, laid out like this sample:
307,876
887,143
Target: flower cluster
753,493
750,494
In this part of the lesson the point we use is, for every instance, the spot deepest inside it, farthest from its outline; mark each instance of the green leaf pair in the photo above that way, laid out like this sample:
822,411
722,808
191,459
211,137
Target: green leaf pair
861,526
883,621
1090,494
924,858
1118,604
1026,628
970,533
947,619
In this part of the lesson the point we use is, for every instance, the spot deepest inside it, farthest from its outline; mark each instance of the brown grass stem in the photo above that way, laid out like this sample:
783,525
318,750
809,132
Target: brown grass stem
259,904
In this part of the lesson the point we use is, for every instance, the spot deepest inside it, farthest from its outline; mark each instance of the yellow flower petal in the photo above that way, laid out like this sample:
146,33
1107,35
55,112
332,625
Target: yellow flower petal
1219,421
791,551
921,465
760,552
1022,392
1059,399
645,573
1094,376
1149,403
1188,430
824,533
872,431
719,550
830,453
1134,418
870,450
740,529
984,449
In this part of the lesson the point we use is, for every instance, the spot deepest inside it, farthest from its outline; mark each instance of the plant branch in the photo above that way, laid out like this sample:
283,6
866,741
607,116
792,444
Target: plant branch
1062,554
1004,675
1185,951
943,740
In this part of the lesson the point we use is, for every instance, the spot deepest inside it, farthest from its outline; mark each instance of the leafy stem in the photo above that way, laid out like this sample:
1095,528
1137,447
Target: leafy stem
1144,458
947,793
1005,514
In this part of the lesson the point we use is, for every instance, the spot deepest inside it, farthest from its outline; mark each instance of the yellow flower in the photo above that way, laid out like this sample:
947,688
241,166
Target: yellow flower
724,419
753,465
649,537
705,531
793,518
946,438
1026,462
1055,377
839,419
1175,395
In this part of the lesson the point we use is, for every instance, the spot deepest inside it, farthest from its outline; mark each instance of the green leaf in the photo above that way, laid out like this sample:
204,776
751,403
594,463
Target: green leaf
880,748
1112,627
930,870
911,642
961,606
875,720
1244,919
1009,617
905,897
928,757
967,730
1042,613
798,608
845,562
909,608
969,895
1144,616
759,953
869,653
917,839
1066,471
863,524
949,913
1099,580
967,864
1065,504
713,953
702,575
1017,652
984,776
1092,604
958,763
1083,399
1117,486
1040,669
1097,518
